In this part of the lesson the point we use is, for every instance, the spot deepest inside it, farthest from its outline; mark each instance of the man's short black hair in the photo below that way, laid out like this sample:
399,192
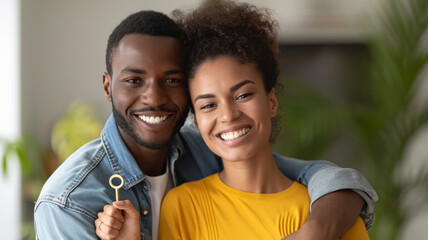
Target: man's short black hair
144,22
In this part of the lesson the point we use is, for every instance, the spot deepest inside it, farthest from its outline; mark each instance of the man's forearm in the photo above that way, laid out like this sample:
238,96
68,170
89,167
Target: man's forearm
323,178
331,216
333,179
336,212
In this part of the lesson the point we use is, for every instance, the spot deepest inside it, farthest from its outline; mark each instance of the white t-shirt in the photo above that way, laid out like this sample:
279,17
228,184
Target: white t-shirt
159,186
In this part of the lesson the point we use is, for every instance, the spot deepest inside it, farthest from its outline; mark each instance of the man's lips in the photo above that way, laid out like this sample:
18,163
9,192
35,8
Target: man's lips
153,115
154,119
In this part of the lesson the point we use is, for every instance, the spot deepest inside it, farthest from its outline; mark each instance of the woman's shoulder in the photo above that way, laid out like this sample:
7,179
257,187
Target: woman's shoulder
297,195
357,231
189,190
297,189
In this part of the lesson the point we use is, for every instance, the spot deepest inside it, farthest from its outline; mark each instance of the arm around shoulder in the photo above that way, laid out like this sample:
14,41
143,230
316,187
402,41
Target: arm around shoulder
323,177
333,179
338,197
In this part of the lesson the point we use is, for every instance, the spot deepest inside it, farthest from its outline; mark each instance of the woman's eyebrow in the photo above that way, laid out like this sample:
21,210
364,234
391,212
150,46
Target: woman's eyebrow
232,89
202,96
239,85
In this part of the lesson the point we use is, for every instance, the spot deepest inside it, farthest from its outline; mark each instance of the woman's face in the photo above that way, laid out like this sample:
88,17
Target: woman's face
232,109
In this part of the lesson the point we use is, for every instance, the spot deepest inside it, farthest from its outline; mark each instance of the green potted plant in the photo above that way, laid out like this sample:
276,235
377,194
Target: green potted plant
380,127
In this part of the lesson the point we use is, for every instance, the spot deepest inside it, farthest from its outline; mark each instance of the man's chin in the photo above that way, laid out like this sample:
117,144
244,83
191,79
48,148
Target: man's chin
154,145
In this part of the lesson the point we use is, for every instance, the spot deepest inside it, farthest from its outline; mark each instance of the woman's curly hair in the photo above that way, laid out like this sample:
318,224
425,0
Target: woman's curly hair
233,29
239,30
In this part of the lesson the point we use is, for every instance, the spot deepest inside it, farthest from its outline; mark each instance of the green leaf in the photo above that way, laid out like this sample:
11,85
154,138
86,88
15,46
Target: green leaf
4,164
24,161
8,149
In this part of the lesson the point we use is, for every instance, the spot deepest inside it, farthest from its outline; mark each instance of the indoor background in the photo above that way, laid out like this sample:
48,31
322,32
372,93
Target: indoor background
355,93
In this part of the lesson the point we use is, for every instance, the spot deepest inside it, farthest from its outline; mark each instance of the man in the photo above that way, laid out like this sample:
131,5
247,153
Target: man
143,142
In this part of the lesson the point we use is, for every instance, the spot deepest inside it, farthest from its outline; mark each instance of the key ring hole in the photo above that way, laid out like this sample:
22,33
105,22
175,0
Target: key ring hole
121,181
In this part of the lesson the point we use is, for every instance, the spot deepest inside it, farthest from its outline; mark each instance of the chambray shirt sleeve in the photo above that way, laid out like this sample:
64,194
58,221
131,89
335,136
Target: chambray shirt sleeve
323,177
54,222
332,179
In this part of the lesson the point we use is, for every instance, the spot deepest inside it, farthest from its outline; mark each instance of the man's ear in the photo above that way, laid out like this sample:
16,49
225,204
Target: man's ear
107,85
273,103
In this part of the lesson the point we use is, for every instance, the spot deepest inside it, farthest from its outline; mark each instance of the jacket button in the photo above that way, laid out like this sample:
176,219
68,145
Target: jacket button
145,211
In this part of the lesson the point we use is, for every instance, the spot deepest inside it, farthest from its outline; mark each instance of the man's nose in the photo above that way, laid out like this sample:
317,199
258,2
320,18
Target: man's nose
154,94
228,112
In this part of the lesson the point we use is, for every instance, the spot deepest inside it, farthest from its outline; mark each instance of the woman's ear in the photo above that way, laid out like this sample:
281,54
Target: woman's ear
273,103
107,85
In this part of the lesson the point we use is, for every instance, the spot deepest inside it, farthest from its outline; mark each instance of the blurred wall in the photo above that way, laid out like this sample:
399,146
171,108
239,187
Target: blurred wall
63,46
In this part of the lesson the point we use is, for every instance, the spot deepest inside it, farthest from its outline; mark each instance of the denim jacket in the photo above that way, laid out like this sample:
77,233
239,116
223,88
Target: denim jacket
71,198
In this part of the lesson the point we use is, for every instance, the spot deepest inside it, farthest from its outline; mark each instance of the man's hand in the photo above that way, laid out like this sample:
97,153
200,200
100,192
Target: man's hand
331,216
118,221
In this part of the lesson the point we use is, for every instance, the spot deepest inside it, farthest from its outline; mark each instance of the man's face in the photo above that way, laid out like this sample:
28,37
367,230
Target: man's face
148,89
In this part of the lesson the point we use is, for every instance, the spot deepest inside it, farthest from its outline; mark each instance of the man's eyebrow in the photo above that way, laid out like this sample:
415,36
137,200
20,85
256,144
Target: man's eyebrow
237,86
202,96
141,71
133,70
171,72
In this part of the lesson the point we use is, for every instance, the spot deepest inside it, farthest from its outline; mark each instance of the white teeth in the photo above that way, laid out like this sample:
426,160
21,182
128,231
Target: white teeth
234,134
153,120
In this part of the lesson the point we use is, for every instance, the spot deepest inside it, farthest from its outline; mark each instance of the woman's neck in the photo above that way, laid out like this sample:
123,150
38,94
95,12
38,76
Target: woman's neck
257,175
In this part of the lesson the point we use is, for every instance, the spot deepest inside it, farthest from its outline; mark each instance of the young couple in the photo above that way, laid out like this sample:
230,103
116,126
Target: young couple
232,71
250,193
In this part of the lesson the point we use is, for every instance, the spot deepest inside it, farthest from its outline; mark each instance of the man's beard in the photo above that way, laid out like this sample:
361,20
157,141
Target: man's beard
127,127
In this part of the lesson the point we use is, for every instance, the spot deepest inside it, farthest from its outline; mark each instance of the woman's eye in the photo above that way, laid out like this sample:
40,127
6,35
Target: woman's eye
244,95
207,106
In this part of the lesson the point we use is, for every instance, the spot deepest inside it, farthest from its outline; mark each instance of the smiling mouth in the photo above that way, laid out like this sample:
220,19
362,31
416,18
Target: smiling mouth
234,134
154,120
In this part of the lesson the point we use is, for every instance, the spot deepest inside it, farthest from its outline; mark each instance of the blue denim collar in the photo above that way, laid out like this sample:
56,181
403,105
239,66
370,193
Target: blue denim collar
121,159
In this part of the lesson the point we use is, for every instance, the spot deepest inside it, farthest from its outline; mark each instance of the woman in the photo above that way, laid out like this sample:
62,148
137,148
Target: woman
232,73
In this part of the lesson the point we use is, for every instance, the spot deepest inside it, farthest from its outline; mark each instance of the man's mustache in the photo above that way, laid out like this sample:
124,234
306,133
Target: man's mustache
148,109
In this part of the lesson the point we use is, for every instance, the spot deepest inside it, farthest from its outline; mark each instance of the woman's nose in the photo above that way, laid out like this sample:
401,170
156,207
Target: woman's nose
228,112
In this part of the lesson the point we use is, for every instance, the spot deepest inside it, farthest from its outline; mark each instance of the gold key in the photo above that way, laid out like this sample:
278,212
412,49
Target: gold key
116,188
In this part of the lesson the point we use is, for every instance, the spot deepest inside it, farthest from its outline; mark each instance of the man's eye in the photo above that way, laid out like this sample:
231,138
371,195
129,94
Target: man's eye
173,80
132,80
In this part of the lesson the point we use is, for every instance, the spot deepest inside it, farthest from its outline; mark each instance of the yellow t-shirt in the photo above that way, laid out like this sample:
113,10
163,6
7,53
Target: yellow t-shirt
209,209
